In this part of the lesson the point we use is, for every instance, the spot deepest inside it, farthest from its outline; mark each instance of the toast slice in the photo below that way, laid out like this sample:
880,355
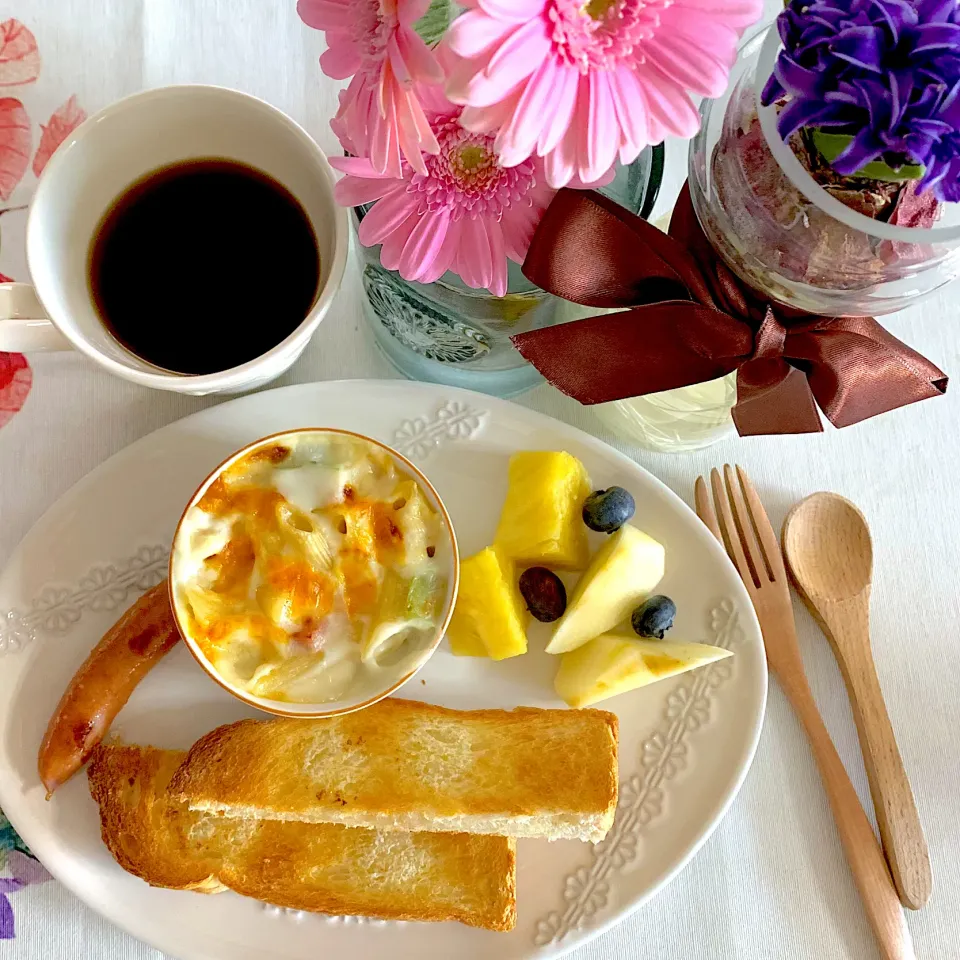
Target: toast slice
164,843
408,766
325,868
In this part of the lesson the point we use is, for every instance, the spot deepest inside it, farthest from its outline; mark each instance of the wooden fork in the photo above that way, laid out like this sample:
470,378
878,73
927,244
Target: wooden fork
746,534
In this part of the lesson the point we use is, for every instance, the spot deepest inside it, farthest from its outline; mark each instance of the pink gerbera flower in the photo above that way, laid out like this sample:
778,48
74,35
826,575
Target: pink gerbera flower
466,212
579,81
374,42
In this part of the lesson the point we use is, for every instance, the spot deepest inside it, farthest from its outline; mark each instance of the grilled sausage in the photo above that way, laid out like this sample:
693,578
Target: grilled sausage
127,653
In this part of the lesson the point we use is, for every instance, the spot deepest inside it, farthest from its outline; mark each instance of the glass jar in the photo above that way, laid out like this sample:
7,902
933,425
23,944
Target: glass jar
675,421
447,332
783,233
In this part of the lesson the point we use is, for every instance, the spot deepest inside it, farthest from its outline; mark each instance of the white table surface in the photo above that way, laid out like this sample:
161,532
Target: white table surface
771,882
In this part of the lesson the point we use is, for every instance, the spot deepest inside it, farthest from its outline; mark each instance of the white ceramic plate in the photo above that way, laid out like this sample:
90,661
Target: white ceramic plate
686,744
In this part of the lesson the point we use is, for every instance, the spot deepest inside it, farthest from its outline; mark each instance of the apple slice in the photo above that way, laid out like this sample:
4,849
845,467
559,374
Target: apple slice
622,574
611,664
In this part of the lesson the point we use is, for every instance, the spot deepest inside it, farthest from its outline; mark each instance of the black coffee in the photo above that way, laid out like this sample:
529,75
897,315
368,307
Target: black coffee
204,265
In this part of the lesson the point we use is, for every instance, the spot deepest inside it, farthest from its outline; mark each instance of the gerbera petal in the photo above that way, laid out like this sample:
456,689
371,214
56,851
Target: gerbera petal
631,110
445,255
490,119
382,127
423,244
582,125
356,167
398,65
603,135
460,72
498,260
482,91
517,139
717,36
326,14
464,264
413,130
340,62
352,191
475,33
386,215
477,83
484,251
560,163
354,107
473,258
421,63
608,176
519,225
375,42
408,142
519,54
737,13
668,103
688,64
392,248
420,99
515,10
565,97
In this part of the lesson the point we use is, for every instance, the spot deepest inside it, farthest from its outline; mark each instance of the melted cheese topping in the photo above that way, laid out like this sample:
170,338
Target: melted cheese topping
307,563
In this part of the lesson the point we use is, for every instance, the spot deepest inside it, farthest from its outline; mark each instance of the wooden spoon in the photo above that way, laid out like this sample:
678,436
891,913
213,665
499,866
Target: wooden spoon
826,543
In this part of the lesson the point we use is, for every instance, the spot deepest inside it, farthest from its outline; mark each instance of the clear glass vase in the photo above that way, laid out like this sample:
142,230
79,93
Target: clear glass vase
788,237
447,332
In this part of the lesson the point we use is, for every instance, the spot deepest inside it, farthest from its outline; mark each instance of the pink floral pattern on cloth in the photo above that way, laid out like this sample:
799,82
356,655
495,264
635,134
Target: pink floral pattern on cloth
20,65
16,378
18,869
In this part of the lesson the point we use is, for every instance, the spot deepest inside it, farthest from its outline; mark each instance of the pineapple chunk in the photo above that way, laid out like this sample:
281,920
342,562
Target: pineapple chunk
610,664
490,614
622,573
463,643
541,521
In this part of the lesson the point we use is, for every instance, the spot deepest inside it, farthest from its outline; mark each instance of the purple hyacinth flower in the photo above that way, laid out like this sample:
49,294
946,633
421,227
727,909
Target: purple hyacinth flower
885,72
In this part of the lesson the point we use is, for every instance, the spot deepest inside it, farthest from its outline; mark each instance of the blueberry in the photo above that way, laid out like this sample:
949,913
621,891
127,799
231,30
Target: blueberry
654,617
544,593
606,511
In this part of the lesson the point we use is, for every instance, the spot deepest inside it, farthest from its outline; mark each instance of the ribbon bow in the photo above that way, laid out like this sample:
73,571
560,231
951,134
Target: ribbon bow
691,320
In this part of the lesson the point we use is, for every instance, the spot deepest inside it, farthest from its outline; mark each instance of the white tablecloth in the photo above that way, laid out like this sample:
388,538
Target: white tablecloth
771,882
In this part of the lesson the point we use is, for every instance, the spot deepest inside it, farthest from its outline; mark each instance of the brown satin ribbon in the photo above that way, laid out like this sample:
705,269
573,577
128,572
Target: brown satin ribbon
690,320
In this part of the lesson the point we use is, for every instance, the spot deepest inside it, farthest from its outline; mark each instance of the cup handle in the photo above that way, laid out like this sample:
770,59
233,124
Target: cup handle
24,325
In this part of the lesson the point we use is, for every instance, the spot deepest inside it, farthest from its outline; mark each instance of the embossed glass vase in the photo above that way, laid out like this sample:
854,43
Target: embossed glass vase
447,332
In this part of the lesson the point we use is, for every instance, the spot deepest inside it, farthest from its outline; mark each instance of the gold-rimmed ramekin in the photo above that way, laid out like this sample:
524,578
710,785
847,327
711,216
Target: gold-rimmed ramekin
392,682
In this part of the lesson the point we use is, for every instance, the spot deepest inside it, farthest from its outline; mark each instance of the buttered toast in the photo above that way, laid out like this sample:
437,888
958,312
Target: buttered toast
400,765
326,868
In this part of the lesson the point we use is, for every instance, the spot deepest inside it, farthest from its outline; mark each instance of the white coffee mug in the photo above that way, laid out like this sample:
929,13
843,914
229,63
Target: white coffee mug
117,147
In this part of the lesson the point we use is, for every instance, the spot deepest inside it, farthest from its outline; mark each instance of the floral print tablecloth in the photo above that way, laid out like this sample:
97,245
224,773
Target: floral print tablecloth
25,148
18,869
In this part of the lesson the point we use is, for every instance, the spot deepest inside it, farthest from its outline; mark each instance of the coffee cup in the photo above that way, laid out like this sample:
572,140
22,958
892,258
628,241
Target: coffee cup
97,164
